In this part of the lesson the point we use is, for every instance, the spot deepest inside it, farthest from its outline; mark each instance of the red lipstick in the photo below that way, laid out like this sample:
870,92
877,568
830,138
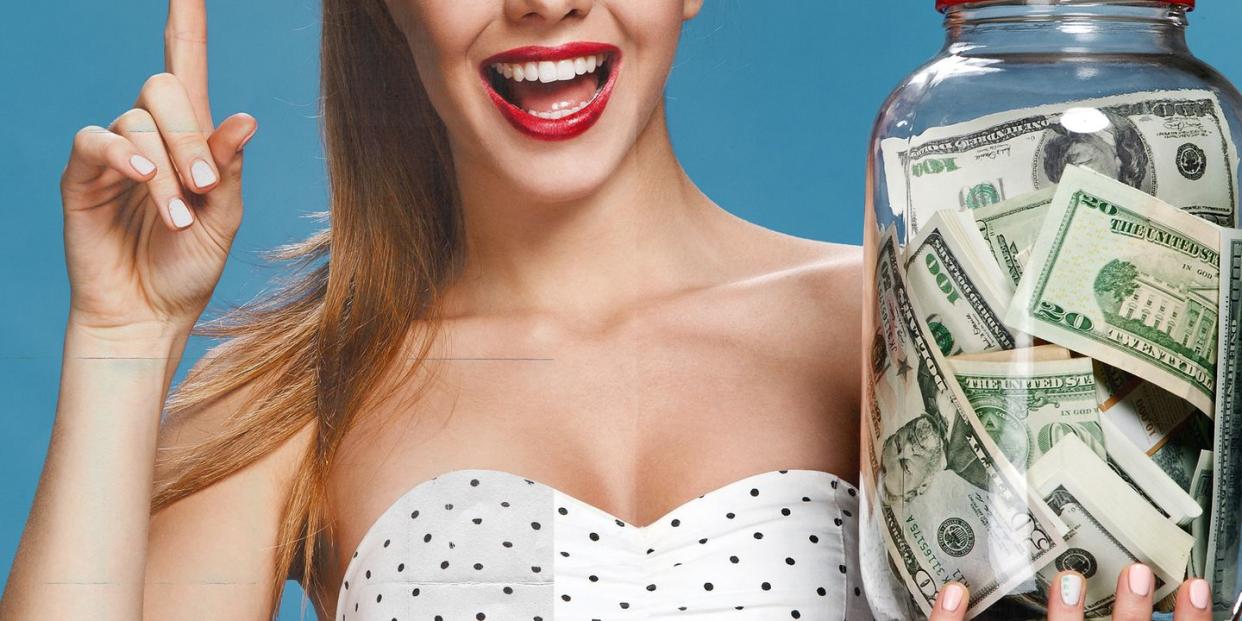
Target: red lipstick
499,74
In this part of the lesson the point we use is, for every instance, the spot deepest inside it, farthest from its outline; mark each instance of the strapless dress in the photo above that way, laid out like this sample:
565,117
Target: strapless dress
476,544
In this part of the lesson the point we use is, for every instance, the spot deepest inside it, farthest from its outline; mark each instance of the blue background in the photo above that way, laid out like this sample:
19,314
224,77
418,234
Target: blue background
770,107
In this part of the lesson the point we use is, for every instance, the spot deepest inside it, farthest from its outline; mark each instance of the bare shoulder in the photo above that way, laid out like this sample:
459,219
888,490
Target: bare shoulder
827,276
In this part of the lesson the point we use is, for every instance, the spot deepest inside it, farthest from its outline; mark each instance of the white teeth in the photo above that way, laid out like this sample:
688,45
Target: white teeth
547,71
550,71
556,114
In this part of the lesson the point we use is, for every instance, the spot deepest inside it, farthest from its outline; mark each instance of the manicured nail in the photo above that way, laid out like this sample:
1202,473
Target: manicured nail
952,597
179,213
1200,596
202,173
247,139
1071,589
1140,579
141,164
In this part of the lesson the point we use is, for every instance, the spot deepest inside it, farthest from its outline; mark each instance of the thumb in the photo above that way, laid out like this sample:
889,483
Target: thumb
227,141
223,210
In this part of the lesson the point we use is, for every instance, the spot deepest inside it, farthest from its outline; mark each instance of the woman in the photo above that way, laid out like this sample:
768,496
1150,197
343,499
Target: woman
545,296
535,349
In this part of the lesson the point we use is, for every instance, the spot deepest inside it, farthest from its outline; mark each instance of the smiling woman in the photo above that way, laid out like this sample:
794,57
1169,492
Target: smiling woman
505,377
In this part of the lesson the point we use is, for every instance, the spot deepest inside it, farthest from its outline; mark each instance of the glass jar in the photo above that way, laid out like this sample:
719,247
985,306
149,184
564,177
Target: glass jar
1051,200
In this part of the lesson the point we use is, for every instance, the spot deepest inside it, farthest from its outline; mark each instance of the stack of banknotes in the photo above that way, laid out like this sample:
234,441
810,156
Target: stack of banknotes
1055,374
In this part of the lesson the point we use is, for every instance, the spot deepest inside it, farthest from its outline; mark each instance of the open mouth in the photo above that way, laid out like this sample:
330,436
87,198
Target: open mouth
552,93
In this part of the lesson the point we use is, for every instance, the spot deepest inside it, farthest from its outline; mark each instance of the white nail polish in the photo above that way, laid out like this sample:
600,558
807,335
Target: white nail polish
179,213
1071,589
202,173
141,164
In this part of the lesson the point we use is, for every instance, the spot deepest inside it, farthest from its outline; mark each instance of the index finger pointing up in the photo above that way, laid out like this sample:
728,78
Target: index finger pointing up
185,53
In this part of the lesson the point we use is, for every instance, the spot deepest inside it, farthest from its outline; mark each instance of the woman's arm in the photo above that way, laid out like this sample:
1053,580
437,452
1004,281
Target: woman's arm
89,550
151,205
83,551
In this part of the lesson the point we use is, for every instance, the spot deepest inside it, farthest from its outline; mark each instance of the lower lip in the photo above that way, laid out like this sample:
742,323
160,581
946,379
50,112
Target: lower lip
565,127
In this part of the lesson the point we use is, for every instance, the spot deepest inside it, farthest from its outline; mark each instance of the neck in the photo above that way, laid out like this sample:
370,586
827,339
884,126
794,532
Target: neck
643,233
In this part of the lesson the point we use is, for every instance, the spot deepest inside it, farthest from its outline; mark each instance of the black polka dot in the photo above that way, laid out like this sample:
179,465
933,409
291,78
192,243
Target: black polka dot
707,586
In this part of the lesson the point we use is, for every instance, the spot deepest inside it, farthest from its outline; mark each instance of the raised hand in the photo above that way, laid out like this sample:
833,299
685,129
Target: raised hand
152,202
1133,601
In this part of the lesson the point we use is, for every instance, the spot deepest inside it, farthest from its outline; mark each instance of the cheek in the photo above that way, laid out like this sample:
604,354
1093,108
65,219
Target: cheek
439,34
653,27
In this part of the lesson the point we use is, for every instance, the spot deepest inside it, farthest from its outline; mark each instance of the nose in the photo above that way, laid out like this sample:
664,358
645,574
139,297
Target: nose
549,11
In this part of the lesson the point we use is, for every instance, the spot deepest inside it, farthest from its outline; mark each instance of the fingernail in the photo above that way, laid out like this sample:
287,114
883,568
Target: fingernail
202,173
952,597
1140,580
247,139
1200,596
179,213
1071,589
141,164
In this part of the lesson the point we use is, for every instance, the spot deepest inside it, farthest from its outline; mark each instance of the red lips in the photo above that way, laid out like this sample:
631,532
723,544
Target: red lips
567,126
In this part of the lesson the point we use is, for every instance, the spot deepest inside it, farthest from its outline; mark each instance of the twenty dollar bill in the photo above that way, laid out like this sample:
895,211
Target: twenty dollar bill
1126,279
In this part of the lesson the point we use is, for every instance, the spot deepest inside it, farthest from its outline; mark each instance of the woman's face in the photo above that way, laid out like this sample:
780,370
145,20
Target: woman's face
548,95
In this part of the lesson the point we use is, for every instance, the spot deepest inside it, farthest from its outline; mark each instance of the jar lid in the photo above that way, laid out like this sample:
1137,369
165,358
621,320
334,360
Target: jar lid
941,5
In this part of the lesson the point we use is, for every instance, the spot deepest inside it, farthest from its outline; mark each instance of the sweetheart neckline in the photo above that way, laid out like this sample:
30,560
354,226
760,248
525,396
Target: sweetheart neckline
578,501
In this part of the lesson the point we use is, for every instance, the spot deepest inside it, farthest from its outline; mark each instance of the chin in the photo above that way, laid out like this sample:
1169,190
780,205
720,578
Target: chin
560,177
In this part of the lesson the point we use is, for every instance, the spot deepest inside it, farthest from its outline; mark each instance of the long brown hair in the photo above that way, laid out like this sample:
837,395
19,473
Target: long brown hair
363,288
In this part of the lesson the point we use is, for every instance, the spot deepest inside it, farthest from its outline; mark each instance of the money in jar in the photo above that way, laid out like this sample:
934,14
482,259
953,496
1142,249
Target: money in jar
1053,313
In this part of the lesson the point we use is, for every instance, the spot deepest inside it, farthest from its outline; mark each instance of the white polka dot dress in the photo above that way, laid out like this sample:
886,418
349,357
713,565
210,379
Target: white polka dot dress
478,544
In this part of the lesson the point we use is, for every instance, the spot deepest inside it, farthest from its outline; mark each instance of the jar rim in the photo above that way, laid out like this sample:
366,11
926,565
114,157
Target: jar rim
944,5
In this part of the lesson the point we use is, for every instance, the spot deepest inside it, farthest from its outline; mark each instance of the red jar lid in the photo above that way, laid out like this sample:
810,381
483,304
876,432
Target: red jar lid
944,4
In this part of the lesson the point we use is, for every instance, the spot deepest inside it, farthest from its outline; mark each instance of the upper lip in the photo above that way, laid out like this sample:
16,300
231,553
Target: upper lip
535,53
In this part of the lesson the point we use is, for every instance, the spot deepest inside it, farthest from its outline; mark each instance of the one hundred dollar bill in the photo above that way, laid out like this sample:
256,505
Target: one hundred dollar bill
1009,228
953,508
1223,558
956,282
1110,526
1028,406
1175,145
1124,278
1201,491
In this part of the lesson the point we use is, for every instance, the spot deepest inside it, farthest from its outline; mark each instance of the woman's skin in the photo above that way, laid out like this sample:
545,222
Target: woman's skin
616,334
1133,600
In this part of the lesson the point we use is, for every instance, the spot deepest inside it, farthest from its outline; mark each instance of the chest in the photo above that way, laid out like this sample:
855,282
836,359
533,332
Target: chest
636,420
